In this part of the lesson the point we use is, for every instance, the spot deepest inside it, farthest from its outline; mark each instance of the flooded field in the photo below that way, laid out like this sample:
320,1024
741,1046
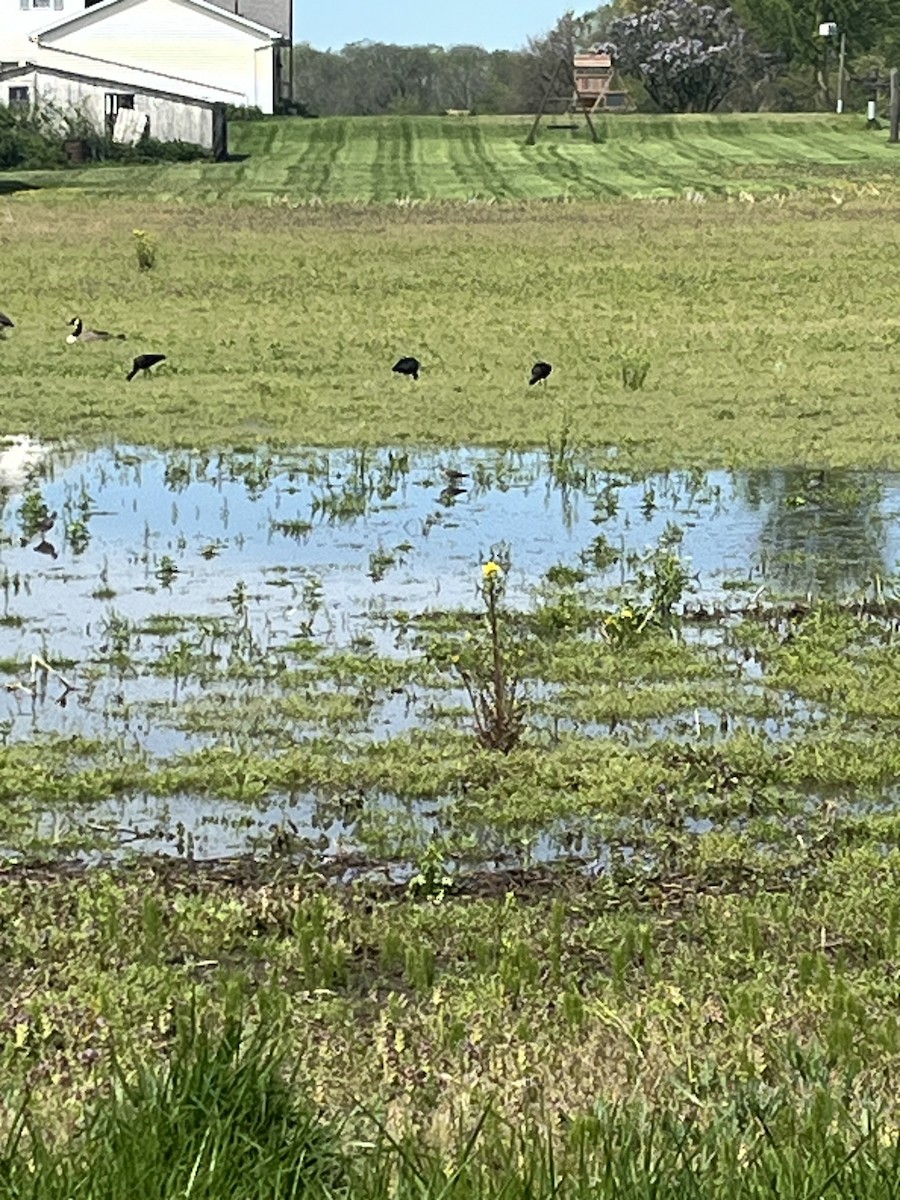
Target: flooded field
159,608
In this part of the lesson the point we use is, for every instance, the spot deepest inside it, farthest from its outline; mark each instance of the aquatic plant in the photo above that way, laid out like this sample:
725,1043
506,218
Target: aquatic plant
488,663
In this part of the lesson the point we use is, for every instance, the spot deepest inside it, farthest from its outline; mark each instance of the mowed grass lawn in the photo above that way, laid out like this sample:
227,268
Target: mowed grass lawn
452,158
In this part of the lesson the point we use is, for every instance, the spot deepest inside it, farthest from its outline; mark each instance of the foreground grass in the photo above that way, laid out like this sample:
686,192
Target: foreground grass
628,1039
220,1121
767,330
437,158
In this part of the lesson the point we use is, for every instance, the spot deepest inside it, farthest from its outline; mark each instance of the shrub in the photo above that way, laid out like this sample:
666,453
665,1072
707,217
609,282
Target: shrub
27,140
144,248
34,139
244,112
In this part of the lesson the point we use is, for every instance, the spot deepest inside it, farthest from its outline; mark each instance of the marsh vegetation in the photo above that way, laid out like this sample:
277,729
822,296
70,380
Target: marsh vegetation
516,775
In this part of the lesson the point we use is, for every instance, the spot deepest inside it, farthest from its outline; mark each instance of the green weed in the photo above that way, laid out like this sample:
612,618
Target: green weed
145,249
634,366
487,664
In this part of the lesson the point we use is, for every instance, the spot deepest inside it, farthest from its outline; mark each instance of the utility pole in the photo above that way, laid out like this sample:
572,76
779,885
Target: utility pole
895,105
839,107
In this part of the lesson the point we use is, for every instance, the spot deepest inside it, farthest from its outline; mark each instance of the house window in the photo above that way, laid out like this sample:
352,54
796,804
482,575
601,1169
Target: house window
18,96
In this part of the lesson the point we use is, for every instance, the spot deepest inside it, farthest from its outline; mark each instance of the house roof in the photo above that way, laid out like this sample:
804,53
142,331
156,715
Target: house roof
114,76
105,6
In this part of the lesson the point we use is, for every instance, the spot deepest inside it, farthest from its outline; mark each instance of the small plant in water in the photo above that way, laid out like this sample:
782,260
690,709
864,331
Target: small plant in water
380,562
166,571
663,575
145,249
487,668
625,626
34,513
661,579
78,536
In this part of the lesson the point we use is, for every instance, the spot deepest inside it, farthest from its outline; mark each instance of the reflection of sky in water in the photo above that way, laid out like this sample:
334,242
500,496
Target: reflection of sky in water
792,530
757,526
733,526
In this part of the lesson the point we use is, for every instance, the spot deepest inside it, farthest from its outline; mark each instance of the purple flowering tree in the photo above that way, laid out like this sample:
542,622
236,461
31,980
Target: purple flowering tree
687,55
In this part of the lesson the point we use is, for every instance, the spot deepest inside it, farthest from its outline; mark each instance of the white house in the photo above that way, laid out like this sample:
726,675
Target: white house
171,61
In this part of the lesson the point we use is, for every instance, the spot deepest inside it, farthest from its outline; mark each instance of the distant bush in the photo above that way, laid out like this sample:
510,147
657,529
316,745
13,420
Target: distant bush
28,141
285,108
244,112
152,150
35,139
295,108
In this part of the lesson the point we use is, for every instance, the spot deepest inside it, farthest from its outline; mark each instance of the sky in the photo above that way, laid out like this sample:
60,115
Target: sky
494,24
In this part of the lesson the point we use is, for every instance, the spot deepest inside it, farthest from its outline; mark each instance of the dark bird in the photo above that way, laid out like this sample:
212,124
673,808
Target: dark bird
80,334
45,524
452,475
539,371
144,362
407,366
45,547
5,322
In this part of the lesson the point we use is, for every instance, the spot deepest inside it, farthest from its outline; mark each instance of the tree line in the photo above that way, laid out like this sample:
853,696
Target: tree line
671,55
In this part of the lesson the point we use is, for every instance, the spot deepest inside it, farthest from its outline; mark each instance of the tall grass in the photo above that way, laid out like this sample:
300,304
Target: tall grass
220,1121
630,1154
217,1120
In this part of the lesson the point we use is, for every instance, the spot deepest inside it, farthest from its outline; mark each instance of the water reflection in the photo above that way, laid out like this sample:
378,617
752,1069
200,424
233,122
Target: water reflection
145,575
824,532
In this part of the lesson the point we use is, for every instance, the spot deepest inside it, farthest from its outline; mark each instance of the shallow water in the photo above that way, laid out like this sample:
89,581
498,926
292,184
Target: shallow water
175,533
319,546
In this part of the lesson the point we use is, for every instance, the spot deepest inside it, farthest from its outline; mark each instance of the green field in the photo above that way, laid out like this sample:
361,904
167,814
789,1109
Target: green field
382,159
706,1010
767,329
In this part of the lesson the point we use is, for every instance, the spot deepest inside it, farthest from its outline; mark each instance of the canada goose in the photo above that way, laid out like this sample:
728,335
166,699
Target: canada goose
144,362
5,322
539,371
80,334
407,366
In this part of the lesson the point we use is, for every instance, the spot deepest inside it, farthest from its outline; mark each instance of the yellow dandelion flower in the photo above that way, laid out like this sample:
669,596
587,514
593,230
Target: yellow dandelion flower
490,571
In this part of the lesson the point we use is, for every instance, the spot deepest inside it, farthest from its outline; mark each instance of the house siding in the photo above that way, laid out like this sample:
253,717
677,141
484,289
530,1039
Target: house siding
171,118
178,40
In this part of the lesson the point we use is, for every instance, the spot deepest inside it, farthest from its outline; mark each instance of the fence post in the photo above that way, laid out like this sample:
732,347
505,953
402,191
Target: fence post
895,105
